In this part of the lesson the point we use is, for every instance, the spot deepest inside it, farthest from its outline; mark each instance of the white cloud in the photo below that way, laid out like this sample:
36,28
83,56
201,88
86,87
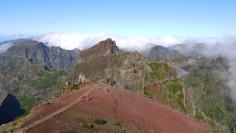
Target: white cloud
4,47
82,41
218,47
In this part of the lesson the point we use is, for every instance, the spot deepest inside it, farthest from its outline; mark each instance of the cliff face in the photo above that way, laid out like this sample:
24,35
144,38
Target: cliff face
36,52
30,69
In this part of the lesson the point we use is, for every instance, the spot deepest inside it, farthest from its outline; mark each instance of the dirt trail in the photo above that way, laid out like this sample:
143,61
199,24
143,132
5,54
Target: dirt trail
116,105
57,112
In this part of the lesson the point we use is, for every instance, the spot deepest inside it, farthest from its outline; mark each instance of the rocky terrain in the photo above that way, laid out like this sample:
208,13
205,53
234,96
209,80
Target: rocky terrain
38,53
206,84
29,70
131,71
188,84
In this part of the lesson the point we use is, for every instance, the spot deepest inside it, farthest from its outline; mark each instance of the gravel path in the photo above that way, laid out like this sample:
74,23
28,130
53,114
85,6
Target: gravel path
57,112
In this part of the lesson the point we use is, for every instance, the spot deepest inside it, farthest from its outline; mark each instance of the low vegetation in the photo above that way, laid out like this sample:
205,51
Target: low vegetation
27,102
99,121
147,93
75,87
47,79
87,126
161,70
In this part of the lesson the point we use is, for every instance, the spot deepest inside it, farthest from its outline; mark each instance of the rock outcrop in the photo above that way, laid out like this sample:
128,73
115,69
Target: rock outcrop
101,49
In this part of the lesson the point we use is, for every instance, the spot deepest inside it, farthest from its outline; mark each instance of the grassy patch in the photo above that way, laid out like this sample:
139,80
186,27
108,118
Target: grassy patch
180,101
176,87
87,126
47,79
77,67
172,94
27,102
160,70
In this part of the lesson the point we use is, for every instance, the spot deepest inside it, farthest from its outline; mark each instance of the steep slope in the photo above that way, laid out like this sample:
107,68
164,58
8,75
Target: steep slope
107,109
105,63
206,90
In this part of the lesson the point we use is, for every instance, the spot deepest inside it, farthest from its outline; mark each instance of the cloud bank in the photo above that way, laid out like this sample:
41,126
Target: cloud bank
83,41
223,48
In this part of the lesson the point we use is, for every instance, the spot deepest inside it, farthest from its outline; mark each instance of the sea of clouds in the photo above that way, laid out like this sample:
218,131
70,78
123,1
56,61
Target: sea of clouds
82,41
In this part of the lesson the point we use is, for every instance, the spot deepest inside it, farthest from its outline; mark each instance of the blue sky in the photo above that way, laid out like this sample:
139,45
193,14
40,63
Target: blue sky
145,18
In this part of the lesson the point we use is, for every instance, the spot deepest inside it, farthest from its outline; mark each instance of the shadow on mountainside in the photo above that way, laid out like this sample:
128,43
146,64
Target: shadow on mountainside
10,109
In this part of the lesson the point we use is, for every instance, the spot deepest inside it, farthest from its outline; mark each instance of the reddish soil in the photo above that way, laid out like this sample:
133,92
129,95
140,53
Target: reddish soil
131,110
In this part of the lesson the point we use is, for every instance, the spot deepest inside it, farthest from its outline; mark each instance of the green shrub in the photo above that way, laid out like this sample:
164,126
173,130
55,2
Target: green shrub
100,121
146,93
75,87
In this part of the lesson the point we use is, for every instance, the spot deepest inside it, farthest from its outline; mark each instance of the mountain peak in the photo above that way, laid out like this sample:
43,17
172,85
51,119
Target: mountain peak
109,46
108,40
102,48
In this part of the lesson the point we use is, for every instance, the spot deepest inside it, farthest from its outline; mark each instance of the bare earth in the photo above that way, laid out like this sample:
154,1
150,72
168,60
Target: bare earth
131,110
